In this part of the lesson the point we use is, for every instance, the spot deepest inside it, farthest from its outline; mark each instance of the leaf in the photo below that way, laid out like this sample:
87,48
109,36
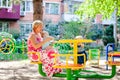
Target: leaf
92,7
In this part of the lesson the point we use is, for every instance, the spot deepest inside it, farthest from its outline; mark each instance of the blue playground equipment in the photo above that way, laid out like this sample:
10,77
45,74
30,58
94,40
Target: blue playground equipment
112,45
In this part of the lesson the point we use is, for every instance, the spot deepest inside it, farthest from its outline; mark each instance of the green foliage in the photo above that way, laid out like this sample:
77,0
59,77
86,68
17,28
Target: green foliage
15,33
72,29
90,8
108,35
5,34
109,31
95,32
15,1
63,48
93,46
20,46
10,45
108,39
53,29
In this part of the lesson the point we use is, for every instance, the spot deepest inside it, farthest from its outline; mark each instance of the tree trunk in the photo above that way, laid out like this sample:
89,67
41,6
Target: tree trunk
115,26
37,10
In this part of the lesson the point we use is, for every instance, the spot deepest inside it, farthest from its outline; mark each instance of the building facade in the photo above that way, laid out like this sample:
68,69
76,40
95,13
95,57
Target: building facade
19,17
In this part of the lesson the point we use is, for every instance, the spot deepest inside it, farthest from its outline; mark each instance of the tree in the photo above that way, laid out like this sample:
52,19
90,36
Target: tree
95,32
37,8
73,29
90,8
108,35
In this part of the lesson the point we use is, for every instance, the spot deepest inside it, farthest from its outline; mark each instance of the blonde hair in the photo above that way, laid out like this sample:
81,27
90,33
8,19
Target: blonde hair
36,22
78,37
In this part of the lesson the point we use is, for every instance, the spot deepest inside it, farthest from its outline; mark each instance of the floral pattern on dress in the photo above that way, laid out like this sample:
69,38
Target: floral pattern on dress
46,58
48,63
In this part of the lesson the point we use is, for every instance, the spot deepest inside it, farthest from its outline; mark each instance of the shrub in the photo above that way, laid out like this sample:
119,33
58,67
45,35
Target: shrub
72,29
95,32
108,35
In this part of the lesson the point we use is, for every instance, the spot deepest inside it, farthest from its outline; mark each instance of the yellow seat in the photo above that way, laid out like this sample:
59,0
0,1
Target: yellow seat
112,54
36,62
117,63
38,57
110,58
67,64
72,66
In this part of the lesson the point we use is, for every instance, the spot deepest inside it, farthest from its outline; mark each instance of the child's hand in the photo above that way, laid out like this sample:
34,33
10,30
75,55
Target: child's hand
45,34
52,38
48,39
48,48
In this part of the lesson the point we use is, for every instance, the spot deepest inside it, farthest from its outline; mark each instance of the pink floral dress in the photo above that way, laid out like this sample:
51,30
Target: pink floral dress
45,56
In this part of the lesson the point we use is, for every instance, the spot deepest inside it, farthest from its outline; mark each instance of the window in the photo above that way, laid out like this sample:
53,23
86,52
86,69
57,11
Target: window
4,26
29,5
72,9
25,29
5,4
22,6
26,6
52,8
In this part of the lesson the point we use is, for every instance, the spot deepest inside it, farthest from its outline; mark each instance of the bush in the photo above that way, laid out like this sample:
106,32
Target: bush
108,38
53,29
72,29
15,33
63,48
5,34
95,32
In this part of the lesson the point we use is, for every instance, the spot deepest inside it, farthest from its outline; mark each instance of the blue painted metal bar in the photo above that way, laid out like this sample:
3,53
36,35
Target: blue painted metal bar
107,51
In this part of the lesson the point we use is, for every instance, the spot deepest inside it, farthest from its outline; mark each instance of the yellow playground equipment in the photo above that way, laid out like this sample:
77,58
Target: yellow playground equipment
75,65
67,64
11,49
75,70
37,56
7,46
111,60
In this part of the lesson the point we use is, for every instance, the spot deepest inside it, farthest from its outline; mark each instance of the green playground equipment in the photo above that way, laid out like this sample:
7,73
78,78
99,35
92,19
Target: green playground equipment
94,56
74,70
10,49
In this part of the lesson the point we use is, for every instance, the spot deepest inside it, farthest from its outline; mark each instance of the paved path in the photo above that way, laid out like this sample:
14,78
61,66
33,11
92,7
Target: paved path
23,70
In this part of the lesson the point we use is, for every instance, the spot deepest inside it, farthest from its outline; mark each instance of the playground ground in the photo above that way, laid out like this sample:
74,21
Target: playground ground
23,70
